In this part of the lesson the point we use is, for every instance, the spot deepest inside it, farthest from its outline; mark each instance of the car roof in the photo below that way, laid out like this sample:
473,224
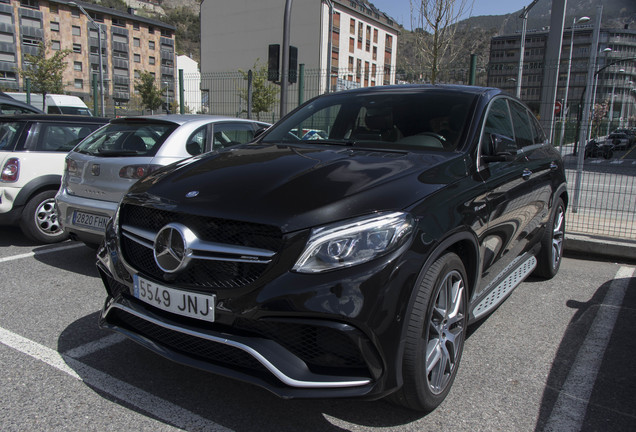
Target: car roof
181,119
476,90
53,117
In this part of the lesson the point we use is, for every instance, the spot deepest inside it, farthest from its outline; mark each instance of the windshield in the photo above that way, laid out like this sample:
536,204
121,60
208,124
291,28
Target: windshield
127,139
401,120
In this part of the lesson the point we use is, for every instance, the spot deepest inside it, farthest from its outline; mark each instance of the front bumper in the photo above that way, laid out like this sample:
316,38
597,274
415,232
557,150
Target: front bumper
337,334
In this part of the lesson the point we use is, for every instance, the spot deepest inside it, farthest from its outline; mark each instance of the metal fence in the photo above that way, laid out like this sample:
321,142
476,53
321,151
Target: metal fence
607,195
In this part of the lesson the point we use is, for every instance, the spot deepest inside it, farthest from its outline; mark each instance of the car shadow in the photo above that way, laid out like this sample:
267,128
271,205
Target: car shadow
217,400
611,403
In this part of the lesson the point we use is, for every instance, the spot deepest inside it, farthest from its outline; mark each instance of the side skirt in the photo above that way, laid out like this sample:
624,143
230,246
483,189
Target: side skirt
505,287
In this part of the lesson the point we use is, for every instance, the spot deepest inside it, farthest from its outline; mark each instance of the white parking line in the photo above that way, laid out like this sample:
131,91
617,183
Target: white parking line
92,347
569,410
155,406
40,252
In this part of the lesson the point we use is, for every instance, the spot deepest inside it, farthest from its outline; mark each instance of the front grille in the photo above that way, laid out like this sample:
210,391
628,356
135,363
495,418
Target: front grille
192,346
200,273
322,348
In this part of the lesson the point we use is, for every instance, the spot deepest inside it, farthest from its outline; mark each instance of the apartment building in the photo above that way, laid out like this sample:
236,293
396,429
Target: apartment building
353,42
130,44
614,44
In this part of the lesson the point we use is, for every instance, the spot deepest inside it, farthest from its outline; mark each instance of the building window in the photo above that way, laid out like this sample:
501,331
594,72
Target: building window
352,45
375,35
7,76
55,45
120,54
136,42
137,73
151,60
375,53
76,31
119,22
6,19
77,48
31,4
97,17
135,25
151,45
151,30
75,13
79,83
120,72
55,26
31,22
53,8
77,66
31,41
7,57
120,38
137,58
166,33
6,38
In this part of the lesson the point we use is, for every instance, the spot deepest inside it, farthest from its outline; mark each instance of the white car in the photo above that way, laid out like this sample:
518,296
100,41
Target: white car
32,152
101,169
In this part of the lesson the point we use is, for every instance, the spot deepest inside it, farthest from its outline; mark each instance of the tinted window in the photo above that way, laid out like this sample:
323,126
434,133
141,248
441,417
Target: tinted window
127,139
57,137
539,134
196,143
498,120
9,133
12,109
524,134
228,134
432,119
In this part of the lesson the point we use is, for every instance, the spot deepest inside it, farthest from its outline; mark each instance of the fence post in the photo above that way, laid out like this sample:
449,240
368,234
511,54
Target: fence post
249,93
473,69
95,100
27,85
181,93
301,83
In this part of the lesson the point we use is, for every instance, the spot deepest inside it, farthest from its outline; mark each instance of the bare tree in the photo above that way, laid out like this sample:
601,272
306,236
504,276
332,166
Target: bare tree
434,23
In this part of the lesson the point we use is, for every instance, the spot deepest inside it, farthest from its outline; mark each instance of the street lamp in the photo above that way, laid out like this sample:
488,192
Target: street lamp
99,47
524,17
611,108
567,81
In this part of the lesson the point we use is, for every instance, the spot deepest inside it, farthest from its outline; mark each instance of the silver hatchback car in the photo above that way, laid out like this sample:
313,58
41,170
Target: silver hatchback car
100,170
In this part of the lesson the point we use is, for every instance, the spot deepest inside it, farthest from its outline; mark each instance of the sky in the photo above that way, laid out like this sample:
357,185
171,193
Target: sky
400,10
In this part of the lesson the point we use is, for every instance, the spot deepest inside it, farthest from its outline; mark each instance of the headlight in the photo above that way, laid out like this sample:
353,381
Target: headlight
354,242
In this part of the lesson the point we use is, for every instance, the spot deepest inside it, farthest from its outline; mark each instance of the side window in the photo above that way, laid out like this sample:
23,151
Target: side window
9,133
61,137
538,133
228,134
524,133
11,109
196,143
497,123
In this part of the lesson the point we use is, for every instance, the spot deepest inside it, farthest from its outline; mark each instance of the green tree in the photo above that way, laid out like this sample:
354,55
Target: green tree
151,96
264,94
44,71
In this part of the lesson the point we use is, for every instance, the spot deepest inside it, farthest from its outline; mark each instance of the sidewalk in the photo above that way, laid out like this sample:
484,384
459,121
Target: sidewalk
602,247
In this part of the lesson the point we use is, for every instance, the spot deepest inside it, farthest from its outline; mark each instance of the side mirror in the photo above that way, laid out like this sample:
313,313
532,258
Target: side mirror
259,132
499,148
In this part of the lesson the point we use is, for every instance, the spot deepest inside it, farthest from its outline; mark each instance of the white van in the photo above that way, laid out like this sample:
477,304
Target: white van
56,103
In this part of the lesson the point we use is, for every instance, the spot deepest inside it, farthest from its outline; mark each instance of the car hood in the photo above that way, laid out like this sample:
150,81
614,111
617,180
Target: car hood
296,187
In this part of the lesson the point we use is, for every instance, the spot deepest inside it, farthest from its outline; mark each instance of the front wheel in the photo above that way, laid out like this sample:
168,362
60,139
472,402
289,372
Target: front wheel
549,258
39,220
435,335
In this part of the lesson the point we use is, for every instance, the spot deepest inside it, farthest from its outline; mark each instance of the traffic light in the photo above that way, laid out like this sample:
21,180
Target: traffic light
273,64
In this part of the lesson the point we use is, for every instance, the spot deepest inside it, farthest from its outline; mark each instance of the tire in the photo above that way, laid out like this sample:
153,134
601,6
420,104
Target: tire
39,220
549,258
435,336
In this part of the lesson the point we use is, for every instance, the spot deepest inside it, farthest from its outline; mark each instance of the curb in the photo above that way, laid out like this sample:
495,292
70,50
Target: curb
622,250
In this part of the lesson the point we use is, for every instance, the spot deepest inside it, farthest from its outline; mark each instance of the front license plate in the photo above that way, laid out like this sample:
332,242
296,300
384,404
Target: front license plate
185,303
89,220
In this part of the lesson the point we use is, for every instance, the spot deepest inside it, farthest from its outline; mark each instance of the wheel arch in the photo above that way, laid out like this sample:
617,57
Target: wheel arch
37,185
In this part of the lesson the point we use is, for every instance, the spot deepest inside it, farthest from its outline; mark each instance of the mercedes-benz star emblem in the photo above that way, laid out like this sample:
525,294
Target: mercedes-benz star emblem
171,248
192,194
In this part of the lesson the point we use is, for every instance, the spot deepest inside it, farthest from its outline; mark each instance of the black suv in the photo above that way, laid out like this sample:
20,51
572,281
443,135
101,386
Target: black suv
346,250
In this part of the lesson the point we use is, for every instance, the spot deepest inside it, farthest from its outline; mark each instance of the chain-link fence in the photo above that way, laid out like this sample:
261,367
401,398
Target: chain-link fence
605,190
